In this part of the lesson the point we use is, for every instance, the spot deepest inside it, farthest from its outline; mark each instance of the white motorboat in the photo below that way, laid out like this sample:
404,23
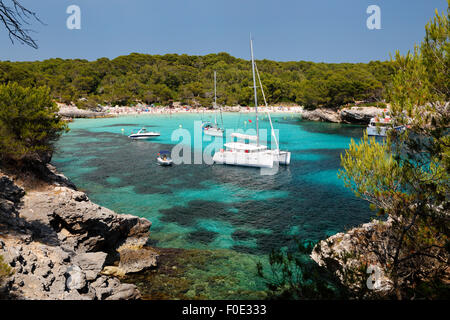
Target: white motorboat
379,126
212,130
143,134
208,128
164,158
249,154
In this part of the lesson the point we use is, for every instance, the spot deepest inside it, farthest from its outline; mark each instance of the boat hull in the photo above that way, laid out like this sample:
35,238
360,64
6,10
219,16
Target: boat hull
257,160
283,157
377,131
143,137
381,131
164,163
214,132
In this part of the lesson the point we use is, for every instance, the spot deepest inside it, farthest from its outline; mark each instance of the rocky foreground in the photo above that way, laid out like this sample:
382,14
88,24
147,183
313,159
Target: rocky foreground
60,245
345,253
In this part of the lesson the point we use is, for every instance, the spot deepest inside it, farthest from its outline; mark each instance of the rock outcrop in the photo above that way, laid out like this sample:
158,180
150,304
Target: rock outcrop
359,115
132,261
88,227
58,243
345,253
10,196
321,114
71,111
355,115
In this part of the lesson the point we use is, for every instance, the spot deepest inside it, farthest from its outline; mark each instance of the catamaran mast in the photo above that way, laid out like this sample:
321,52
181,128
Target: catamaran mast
268,114
254,86
215,100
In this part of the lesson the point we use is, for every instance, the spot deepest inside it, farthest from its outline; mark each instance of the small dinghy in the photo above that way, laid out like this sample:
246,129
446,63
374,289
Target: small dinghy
143,134
164,158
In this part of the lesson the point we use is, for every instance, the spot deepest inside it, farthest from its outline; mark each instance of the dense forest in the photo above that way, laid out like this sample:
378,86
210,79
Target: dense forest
159,79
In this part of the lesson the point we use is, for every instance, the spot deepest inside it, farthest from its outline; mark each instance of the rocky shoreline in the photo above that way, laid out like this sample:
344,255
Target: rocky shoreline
69,112
60,245
352,115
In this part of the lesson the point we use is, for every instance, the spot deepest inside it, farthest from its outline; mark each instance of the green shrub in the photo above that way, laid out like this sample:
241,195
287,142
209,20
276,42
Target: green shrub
381,105
28,123
5,270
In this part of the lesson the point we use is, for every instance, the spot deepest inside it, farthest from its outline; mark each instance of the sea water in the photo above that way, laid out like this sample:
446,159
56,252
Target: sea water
225,218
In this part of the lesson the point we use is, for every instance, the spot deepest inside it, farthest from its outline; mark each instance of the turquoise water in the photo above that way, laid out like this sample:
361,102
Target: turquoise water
216,207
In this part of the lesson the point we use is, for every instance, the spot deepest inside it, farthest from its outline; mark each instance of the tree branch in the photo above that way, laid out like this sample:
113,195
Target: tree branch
14,16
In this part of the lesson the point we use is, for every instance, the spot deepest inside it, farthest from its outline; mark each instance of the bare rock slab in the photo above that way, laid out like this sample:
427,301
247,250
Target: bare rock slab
132,260
91,263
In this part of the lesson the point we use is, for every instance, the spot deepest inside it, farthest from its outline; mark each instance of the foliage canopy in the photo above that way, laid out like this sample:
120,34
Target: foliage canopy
28,123
146,78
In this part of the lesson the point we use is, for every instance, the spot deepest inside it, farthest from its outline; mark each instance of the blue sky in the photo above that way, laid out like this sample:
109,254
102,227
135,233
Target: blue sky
283,30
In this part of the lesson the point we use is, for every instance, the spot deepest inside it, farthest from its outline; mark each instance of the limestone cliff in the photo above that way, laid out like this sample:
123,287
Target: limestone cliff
355,115
60,245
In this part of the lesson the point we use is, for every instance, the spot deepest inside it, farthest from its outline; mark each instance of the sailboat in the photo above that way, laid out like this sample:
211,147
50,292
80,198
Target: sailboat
283,157
244,152
208,128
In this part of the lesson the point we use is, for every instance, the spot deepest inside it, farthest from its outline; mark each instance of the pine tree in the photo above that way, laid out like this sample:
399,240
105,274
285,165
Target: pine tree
407,177
28,123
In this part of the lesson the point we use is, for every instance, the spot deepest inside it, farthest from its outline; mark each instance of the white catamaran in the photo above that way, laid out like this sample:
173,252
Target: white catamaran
208,128
246,153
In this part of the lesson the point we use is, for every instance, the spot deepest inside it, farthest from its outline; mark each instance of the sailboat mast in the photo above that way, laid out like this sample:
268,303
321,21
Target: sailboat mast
215,100
256,95
268,113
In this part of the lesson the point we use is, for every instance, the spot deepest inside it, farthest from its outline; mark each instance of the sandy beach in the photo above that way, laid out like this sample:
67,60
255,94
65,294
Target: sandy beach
72,110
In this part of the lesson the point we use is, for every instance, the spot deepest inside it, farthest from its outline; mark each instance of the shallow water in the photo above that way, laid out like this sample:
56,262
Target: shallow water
203,207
